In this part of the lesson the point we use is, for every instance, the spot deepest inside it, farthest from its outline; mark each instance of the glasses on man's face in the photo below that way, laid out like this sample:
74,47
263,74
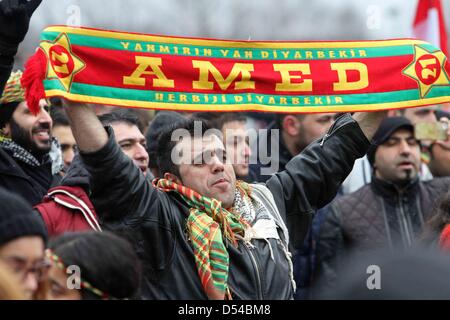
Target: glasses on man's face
19,267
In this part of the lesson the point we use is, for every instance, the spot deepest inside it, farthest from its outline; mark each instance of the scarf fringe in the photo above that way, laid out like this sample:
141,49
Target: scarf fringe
33,80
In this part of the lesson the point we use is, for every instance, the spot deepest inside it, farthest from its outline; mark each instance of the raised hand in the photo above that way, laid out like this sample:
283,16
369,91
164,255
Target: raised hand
15,18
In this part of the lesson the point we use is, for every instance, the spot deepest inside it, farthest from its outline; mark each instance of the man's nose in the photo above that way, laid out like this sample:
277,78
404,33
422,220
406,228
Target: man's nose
30,282
217,164
68,156
405,148
247,150
44,117
140,152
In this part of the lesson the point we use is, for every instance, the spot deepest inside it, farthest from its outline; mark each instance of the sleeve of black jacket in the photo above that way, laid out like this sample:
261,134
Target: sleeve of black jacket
127,203
312,178
6,65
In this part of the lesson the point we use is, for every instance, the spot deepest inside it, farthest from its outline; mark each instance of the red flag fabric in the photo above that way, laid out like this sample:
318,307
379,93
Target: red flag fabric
429,24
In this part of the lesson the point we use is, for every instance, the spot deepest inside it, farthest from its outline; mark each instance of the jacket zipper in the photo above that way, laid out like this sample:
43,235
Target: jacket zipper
331,131
404,222
255,265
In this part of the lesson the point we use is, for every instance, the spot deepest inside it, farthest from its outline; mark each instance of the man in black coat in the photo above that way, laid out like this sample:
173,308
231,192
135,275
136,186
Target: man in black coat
30,157
387,213
200,233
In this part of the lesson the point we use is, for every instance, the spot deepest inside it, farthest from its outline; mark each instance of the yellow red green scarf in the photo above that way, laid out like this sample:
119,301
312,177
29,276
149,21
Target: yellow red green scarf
191,74
208,225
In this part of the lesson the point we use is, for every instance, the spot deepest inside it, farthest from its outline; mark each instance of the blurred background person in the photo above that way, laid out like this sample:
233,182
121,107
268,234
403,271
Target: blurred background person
9,287
71,206
107,264
436,233
22,242
295,132
414,274
233,127
387,213
439,151
63,133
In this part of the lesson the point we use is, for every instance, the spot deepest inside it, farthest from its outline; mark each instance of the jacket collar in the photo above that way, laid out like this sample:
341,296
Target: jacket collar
388,189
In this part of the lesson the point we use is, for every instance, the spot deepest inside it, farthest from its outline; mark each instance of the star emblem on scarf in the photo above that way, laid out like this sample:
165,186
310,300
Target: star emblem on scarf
63,64
427,69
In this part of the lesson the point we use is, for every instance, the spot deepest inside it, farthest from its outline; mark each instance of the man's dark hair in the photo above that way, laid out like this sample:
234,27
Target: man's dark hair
218,120
59,116
6,112
280,117
107,261
230,117
165,143
162,120
121,116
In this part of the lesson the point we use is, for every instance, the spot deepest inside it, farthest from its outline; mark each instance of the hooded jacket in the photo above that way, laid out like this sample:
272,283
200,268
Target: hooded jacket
68,208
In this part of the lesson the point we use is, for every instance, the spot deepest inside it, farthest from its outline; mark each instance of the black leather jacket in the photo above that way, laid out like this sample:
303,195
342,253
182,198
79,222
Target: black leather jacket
155,221
379,215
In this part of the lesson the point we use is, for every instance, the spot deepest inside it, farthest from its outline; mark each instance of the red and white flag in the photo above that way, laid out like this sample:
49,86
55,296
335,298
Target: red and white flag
429,24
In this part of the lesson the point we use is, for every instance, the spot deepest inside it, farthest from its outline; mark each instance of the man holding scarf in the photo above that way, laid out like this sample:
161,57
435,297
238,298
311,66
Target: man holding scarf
200,233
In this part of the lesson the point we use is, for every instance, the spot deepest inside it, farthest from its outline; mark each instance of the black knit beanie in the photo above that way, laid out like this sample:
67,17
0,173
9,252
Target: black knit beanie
6,111
17,219
385,130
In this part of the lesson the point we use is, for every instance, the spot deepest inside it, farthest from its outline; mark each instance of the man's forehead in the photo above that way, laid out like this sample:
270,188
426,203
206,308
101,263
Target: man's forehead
200,144
126,131
235,132
235,125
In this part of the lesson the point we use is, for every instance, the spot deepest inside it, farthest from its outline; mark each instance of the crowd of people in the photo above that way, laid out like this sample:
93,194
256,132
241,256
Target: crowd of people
103,203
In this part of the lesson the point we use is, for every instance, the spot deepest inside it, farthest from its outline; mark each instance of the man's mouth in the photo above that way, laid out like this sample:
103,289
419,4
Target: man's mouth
142,166
42,134
222,182
406,165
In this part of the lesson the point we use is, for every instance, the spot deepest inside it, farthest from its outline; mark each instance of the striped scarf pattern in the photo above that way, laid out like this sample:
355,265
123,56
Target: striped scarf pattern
208,225
13,91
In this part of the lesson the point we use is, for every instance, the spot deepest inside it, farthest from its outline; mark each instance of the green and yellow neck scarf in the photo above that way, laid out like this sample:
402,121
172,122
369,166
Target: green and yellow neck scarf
209,226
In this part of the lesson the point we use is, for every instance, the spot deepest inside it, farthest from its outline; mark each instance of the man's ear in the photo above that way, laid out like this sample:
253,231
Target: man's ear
6,130
172,177
291,125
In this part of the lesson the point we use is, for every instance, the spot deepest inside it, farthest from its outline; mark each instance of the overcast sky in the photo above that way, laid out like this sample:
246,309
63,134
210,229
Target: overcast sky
238,19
